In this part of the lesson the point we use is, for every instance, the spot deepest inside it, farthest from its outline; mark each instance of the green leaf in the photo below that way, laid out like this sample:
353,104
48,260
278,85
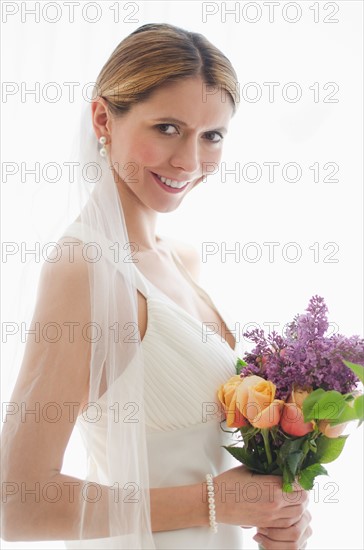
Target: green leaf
327,406
276,471
359,407
328,449
357,369
309,403
307,476
288,479
293,460
239,364
240,454
347,414
291,445
312,445
287,486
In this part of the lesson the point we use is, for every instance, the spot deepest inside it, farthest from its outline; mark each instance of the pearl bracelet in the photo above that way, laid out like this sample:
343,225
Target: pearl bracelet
211,501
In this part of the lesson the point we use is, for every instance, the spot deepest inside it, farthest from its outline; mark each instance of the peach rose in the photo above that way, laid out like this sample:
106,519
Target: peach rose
292,421
227,397
255,398
331,431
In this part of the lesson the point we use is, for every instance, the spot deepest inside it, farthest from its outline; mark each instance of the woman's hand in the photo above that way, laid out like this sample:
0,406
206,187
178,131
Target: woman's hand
247,499
291,538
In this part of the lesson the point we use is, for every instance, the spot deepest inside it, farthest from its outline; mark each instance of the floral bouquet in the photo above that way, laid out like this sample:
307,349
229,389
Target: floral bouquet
292,397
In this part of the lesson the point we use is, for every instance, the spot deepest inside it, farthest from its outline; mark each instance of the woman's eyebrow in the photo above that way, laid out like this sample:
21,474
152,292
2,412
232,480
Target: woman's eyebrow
175,120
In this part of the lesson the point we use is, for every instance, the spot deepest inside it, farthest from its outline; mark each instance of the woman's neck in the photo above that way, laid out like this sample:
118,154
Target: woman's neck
140,221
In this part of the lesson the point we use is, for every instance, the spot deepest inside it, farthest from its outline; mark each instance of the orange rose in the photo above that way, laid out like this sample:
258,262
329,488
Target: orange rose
255,398
227,397
292,421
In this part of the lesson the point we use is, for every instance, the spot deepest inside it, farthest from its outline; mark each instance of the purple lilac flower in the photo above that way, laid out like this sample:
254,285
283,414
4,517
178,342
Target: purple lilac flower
305,357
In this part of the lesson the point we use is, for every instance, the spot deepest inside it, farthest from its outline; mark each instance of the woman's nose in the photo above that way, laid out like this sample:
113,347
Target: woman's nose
186,156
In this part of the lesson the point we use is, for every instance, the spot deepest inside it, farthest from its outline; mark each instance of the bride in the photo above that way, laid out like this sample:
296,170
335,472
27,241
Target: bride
125,350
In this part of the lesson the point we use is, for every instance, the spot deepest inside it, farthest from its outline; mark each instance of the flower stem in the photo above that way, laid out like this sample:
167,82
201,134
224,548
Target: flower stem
265,434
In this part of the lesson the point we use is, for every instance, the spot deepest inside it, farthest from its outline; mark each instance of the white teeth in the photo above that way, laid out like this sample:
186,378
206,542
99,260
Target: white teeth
172,183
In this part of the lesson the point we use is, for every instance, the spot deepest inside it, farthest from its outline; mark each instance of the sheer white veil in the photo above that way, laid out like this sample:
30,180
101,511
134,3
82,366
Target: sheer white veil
90,287
117,365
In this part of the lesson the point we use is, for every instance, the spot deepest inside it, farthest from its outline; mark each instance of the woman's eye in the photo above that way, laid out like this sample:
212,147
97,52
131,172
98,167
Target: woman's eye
214,137
164,128
171,129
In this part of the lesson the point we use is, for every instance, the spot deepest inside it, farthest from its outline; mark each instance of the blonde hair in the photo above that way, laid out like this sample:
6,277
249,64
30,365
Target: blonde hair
155,54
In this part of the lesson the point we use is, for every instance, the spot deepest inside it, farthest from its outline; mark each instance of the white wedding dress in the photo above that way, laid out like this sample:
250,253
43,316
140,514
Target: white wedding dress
184,437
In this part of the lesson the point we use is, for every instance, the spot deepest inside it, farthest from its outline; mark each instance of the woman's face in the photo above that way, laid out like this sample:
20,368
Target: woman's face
166,145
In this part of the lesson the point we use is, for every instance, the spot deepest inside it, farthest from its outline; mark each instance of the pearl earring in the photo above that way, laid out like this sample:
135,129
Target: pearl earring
102,151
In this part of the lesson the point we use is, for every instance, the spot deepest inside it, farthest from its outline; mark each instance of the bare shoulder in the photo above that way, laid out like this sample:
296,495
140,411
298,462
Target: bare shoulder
188,254
66,274
69,261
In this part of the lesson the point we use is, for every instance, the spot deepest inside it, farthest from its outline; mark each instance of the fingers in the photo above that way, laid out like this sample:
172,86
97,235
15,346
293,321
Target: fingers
269,544
283,518
289,538
296,497
273,485
290,516
293,532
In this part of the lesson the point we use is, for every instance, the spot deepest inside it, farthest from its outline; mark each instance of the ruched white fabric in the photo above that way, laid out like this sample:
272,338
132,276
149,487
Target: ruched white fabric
183,369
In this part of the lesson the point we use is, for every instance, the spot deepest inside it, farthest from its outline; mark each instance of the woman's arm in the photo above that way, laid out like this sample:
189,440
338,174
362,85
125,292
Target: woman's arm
52,383
27,517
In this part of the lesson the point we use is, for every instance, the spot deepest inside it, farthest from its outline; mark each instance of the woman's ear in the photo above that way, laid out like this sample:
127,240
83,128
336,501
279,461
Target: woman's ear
101,119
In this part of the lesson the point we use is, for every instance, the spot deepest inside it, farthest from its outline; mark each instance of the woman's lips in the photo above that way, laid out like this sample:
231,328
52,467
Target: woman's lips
166,187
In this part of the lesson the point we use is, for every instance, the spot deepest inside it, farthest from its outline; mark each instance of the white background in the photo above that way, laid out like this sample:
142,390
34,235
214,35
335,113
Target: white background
229,211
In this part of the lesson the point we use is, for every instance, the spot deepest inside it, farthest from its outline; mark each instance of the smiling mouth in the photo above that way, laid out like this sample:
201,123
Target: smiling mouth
174,184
